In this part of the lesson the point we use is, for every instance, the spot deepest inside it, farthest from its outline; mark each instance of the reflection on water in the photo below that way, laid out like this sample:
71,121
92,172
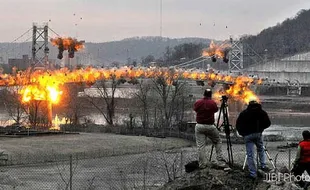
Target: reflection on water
5,119
290,133
99,119
291,120
288,125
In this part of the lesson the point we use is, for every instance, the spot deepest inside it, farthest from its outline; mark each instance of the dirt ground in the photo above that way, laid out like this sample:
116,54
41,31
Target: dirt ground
216,179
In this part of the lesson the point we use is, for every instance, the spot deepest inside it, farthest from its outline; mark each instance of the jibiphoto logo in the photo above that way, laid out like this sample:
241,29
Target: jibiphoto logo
287,177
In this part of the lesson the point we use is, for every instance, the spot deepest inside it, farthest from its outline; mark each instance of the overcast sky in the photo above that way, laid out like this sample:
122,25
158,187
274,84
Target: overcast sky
108,20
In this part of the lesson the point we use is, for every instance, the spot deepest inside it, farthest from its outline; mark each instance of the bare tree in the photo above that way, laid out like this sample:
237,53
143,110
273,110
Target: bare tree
73,106
143,97
169,91
12,102
37,111
105,103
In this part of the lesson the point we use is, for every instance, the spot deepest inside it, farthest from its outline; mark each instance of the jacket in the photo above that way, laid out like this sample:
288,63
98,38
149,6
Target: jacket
252,120
205,109
304,151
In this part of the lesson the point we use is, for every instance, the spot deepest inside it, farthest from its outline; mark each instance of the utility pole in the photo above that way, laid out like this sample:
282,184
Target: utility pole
161,18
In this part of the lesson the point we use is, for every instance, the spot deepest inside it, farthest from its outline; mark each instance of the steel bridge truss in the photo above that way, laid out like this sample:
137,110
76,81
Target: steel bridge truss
40,48
236,56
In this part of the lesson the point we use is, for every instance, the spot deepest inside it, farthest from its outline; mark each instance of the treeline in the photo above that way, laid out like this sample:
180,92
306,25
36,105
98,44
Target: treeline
290,37
183,53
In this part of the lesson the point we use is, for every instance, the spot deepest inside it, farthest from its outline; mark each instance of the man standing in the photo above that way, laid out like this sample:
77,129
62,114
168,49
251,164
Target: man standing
302,160
205,109
250,124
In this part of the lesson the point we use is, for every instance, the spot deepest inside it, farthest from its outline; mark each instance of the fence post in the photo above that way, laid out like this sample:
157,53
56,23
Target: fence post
181,162
71,174
289,159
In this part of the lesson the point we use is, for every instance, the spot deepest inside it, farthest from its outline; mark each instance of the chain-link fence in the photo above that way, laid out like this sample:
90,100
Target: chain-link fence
126,168
148,170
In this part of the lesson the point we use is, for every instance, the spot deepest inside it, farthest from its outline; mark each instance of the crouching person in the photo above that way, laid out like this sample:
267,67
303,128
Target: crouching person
302,160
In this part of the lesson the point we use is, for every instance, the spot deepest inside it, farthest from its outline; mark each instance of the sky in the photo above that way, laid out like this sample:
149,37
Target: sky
111,20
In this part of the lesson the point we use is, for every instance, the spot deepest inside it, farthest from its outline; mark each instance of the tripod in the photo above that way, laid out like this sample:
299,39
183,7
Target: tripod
226,125
268,156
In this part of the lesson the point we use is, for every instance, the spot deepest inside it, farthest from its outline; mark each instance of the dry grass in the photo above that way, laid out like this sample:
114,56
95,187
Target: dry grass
84,143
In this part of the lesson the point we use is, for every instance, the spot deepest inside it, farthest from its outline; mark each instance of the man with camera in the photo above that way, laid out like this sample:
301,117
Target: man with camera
205,109
250,124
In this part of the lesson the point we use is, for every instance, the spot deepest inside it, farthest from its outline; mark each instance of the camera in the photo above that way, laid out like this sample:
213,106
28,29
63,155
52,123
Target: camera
224,98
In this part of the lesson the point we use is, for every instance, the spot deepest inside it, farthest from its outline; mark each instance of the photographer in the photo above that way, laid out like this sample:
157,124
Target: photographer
205,109
250,124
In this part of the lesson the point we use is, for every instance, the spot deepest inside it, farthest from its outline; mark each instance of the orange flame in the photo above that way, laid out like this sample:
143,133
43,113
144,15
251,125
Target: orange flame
240,90
45,85
67,43
216,50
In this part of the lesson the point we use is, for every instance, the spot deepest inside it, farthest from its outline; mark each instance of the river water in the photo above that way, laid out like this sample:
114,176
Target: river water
289,118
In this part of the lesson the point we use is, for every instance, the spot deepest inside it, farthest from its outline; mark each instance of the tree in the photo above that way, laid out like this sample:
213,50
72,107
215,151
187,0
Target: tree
37,111
285,39
187,50
12,102
148,59
169,91
73,106
143,97
104,100
168,55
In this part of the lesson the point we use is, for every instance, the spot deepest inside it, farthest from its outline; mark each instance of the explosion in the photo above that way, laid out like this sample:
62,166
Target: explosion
45,85
70,44
240,89
217,51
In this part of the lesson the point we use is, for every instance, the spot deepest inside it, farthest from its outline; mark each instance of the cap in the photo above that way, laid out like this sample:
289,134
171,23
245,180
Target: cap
208,92
253,99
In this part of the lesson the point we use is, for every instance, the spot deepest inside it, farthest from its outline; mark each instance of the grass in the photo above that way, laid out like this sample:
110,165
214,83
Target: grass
30,149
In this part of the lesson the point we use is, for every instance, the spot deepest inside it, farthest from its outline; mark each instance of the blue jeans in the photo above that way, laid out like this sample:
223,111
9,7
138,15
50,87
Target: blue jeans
250,140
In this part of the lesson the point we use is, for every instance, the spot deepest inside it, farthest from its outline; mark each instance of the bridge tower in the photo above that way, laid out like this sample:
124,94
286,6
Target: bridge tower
40,48
39,60
236,56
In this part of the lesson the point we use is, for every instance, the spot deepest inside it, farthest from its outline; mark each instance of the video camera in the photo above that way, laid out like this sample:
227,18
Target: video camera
225,98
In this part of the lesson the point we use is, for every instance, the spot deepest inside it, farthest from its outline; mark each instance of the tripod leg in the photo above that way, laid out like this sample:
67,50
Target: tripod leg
244,163
269,158
211,153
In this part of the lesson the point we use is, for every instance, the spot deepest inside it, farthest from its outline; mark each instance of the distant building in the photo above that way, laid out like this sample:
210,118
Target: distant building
1,60
25,62
20,64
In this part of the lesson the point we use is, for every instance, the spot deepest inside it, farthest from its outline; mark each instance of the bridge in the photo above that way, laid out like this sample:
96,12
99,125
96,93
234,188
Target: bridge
288,73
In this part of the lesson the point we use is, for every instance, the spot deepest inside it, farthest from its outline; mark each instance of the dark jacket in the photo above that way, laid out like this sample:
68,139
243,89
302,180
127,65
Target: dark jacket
205,109
252,120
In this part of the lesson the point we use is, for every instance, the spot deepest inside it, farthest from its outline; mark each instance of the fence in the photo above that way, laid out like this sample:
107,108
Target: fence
127,168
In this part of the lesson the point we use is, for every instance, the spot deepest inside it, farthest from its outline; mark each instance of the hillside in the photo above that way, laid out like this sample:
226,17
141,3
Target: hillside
108,52
290,37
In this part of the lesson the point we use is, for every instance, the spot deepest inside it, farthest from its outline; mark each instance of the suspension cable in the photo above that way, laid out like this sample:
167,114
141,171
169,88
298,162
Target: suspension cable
21,36
181,64
193,63
54,31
